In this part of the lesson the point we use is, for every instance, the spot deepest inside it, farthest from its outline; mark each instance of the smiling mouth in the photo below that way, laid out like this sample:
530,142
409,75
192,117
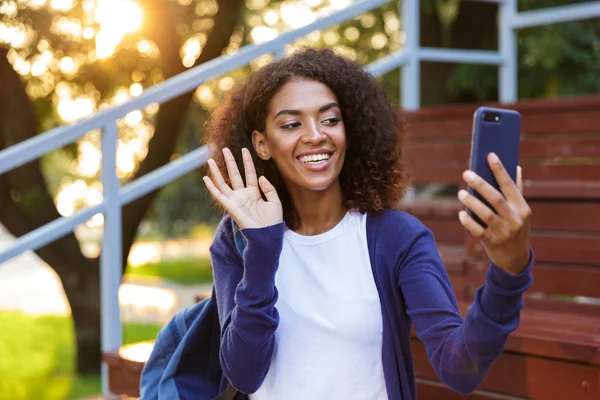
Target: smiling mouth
315,159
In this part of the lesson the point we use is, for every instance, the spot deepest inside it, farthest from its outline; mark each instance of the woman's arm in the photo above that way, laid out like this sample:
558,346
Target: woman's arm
245,286
246,297
460,350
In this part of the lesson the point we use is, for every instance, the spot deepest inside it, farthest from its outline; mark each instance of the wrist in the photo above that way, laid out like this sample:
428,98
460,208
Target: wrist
516,265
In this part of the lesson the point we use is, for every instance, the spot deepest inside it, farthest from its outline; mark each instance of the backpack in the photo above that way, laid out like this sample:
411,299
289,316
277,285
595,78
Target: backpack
184,363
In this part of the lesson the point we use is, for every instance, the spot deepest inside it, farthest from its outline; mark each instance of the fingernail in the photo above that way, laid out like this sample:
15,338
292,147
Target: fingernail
462,194
494,158
469,175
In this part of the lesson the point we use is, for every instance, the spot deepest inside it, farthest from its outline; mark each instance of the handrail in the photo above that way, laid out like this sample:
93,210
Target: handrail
557,14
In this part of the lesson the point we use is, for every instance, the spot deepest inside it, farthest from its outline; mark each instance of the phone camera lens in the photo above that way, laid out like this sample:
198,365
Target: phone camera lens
491,117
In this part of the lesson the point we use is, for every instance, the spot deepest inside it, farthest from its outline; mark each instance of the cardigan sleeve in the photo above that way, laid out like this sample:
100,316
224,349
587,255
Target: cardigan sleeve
246,297
461,351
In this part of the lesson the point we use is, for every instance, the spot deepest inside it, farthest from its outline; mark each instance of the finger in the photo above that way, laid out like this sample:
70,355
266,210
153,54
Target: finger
215,192
268,190
251,179
232,169
217,178
505,182
470,224
485,213
488,192
520,179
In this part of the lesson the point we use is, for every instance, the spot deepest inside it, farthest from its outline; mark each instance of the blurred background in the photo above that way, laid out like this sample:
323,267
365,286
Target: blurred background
65,60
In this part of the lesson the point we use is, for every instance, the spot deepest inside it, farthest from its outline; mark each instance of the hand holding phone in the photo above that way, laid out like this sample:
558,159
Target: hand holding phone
497,212
495,131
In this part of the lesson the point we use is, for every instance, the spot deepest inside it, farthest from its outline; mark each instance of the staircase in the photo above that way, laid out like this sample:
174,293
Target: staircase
115,196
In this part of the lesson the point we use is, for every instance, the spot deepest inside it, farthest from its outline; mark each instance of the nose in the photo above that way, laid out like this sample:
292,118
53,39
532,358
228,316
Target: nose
313,134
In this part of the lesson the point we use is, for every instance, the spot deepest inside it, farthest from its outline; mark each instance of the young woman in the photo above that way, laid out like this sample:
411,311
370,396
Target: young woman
321,304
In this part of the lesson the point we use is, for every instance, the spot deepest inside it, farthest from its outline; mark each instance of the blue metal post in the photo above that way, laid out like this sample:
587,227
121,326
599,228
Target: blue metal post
110,258
508,71
411,85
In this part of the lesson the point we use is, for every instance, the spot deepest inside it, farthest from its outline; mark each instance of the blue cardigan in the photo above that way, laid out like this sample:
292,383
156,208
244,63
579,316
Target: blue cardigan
413,287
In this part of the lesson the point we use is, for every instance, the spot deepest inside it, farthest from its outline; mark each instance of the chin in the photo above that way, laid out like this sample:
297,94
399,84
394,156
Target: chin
318,185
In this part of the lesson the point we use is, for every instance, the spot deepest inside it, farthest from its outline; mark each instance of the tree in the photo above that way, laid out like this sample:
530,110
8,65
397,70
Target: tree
26,202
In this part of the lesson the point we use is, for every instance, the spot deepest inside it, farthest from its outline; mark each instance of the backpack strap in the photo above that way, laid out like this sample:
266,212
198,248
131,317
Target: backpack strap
179,327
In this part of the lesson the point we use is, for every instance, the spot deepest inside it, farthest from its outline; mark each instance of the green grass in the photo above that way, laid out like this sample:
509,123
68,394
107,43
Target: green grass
37,357
186,272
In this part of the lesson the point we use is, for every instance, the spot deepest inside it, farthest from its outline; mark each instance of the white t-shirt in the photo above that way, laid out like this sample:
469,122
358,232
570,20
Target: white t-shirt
329,339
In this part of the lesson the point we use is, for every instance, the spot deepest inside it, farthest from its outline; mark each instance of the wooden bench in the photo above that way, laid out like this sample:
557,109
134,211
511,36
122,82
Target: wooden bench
555,352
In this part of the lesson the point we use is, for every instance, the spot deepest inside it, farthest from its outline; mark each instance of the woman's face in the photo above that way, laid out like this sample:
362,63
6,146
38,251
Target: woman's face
304,135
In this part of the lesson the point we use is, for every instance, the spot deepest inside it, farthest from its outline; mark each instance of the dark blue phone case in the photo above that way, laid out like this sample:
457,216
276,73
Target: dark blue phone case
501,137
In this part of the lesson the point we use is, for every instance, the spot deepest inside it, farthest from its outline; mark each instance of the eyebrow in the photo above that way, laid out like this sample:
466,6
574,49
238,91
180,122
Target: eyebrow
298,112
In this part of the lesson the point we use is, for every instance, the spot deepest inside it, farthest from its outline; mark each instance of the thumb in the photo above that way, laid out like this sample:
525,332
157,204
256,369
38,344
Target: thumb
520,179
268,190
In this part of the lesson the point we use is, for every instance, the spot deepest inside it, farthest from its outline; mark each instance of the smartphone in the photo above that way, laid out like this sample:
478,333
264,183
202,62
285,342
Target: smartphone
499,131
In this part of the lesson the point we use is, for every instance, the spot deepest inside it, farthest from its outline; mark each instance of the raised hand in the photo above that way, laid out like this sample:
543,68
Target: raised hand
245,204
507,236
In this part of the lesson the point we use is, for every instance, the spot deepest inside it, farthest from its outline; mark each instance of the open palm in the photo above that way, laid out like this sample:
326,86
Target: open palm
244,203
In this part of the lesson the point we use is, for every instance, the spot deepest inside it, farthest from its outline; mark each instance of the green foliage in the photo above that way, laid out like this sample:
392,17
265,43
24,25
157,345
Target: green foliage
560,60
186,272
185,202
555,60
37,357
203,231
85,385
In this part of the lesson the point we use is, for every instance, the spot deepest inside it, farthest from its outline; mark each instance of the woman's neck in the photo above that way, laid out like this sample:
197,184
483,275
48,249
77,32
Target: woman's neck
318,211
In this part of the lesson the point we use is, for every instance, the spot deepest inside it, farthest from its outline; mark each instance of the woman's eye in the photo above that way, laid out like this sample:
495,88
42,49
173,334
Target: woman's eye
331,121
291,125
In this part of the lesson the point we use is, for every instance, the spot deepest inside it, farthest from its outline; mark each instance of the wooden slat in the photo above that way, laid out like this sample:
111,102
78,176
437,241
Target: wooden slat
459,287
582,216
565,216
445,230
438,152
566,249
528,376
562,307
428,389
551,280
566,189
561,121
435,208
550,334
452,173
446,128
559,307
524,106
123,374
572,189
453,257
539,117
553,248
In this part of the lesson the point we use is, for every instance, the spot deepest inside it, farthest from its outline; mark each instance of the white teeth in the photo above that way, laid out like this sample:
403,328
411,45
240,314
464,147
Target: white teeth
314,158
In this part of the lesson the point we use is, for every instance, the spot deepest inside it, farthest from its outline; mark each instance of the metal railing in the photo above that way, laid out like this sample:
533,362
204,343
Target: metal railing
115,197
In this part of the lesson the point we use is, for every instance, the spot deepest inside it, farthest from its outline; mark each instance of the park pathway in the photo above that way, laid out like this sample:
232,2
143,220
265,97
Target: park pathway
28,285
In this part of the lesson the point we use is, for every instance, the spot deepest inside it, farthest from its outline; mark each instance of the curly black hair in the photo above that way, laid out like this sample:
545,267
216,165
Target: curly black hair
373,176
